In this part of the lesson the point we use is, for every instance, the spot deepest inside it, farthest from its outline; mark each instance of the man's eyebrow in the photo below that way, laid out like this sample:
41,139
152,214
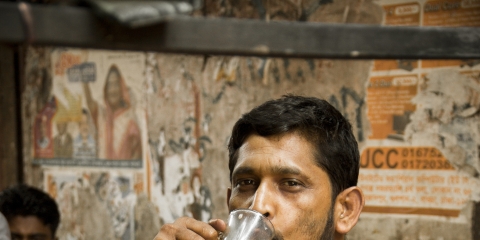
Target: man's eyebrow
243,170
281,170
278,170
38,236
35,235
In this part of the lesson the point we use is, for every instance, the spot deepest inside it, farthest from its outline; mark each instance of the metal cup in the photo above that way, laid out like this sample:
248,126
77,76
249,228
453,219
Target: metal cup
245,224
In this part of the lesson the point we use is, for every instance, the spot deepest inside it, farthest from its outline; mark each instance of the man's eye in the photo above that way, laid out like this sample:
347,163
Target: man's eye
291,183
245,182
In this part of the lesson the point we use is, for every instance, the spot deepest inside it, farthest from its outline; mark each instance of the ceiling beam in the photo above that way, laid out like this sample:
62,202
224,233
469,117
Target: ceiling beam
75,26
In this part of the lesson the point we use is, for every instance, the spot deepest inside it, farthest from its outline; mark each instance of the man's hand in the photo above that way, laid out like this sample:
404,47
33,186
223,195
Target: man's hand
191,229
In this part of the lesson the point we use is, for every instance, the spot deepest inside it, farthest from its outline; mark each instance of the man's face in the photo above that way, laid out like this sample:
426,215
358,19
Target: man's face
113,91
278,177
29,228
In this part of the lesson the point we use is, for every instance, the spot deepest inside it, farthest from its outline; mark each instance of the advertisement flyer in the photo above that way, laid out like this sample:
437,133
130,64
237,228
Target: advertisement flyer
421,156
412,180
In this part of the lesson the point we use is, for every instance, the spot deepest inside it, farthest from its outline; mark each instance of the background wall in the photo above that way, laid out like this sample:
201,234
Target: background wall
416,123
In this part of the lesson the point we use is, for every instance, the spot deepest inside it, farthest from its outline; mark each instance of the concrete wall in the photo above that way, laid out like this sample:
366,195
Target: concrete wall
181,108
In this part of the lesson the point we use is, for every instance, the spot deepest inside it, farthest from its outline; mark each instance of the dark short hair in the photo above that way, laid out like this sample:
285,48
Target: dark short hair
316,121
23,200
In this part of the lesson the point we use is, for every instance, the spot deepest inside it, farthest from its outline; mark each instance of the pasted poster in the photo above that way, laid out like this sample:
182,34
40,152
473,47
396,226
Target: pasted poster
413,180
421,156
94,205
178,144
95,114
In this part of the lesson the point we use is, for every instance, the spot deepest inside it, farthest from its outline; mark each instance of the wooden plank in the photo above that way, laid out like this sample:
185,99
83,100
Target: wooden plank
9,132
476,220
80,27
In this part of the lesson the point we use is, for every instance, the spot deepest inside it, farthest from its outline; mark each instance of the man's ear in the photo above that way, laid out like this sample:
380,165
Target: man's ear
229,193
348,205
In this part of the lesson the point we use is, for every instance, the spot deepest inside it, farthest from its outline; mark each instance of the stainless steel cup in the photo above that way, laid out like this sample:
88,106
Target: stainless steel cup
246,224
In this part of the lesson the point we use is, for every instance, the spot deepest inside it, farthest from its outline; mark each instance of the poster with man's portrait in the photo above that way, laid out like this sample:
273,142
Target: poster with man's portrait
93,114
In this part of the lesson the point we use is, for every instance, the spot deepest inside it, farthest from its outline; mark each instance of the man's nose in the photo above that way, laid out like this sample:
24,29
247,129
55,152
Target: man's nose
264,198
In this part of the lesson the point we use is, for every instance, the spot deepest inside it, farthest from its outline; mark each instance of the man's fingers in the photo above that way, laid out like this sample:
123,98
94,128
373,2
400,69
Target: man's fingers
185,234
167,232
188,229
203,229
218,224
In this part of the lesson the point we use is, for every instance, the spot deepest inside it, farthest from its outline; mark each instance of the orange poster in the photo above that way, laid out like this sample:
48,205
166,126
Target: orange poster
452,13
423,117
389,105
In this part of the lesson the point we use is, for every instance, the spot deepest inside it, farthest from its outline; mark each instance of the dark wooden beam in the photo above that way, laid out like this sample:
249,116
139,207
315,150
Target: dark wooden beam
10,148
74,26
